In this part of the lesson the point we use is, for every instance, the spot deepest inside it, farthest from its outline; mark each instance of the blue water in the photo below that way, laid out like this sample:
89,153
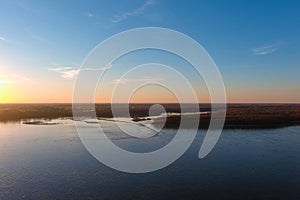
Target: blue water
49,162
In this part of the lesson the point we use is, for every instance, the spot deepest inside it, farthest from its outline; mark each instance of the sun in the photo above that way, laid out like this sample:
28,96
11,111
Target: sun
2,93
4,87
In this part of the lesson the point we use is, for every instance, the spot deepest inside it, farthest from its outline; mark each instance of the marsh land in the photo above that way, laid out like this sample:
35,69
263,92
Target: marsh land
238,116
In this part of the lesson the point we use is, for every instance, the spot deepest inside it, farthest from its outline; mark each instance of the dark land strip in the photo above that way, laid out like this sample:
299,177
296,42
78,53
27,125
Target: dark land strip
238,116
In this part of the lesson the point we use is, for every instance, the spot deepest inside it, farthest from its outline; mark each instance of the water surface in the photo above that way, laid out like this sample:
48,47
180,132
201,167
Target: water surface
49,162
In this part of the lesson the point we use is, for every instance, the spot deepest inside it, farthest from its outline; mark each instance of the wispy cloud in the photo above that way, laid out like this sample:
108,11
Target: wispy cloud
121,81
140,80
66,72
266,49
21,77
69,73
13,78
2,38
136,12
33,35
5,39
89,14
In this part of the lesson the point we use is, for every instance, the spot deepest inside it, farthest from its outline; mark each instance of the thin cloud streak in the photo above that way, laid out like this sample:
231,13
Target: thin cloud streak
124,81
13,78
265,50
136,12
70,73
22,78
66,72
35,36
89,14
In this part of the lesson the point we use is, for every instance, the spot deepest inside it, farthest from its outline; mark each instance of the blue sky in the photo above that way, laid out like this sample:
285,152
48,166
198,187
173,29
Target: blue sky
255,44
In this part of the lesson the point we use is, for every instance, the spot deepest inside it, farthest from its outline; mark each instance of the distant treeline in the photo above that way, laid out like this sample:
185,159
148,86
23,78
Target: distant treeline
15,112
242,116
249,116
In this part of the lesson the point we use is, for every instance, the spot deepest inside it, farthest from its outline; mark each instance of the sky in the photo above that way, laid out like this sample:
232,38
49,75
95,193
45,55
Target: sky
255,45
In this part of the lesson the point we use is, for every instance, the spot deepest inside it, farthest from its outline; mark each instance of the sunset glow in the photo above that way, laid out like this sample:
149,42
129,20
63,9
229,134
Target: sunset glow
40,59
4,91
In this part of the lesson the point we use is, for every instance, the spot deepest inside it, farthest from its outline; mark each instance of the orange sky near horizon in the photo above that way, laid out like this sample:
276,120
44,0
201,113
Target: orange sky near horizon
44,47
32,92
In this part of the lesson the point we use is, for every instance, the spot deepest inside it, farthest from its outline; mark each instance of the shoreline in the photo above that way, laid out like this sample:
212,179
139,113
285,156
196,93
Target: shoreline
238,116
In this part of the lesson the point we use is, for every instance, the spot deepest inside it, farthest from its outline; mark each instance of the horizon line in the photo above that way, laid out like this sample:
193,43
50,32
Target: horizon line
2,103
